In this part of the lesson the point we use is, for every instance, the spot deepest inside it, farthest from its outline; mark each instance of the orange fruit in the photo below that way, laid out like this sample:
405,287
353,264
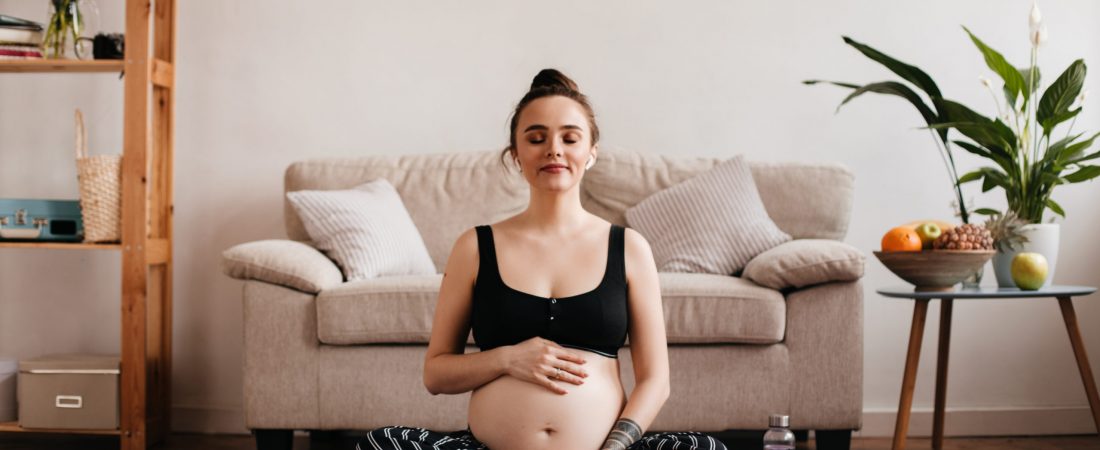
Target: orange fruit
901,239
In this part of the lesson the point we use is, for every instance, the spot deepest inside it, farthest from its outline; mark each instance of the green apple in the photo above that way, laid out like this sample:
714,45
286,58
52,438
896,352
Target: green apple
928,232
1029,270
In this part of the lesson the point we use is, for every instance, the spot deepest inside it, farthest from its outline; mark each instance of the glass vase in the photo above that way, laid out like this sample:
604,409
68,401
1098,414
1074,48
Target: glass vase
974,281
69,21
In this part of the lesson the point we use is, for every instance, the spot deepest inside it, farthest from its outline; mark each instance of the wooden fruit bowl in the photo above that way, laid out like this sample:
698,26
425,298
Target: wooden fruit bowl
935,270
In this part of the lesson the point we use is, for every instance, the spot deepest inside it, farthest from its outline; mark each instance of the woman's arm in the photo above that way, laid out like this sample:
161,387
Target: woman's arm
447,369
648,345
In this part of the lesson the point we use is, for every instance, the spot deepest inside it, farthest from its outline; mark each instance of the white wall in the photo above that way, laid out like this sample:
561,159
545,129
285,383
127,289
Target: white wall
265,83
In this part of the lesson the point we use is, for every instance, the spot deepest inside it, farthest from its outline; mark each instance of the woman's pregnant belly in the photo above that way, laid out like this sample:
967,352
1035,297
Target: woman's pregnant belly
510,414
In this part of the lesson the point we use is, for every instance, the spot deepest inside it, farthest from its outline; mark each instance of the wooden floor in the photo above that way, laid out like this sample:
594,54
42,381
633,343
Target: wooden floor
235,442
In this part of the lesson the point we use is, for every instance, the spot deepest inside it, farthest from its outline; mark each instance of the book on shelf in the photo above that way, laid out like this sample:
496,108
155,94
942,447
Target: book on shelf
15,22
20,35
20,51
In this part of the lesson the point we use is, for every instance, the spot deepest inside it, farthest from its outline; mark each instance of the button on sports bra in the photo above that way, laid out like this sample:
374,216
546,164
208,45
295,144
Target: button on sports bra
596,320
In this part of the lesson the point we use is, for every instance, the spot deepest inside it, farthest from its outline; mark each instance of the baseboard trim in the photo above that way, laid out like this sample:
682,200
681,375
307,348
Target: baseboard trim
877,423
1025,421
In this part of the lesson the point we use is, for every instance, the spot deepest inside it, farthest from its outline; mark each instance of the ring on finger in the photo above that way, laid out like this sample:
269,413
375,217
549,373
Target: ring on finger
557,372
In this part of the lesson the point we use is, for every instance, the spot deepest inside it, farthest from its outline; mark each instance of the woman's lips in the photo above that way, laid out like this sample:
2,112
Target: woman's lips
554,169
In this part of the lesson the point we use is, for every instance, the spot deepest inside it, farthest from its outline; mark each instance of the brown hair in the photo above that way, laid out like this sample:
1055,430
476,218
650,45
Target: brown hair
550,82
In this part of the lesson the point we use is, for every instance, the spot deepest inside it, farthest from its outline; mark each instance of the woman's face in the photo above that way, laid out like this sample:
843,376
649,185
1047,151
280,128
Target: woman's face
553,143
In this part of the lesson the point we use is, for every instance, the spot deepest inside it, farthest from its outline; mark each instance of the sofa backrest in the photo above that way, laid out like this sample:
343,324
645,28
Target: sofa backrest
448,193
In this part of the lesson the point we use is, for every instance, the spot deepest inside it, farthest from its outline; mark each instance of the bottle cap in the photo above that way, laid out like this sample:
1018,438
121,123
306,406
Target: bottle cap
779,420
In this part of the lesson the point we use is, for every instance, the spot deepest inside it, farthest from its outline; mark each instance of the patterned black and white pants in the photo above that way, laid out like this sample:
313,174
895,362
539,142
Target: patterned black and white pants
404,438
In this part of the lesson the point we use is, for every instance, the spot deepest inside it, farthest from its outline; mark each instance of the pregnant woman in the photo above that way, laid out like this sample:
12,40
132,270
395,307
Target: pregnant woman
551,295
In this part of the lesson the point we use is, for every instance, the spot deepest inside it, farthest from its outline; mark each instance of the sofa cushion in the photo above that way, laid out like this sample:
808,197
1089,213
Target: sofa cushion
445,193
698,308
705,308
379,310
805,199
366,230
804,262
712,223
279,261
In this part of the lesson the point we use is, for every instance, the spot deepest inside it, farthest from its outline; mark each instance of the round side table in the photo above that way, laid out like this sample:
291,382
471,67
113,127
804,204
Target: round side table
1064,295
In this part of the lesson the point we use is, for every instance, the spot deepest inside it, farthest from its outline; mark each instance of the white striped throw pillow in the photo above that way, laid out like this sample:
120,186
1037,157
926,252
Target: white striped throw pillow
712,223
366,230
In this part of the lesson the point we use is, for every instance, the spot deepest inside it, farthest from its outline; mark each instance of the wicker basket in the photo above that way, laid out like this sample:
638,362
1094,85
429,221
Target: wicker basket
100,183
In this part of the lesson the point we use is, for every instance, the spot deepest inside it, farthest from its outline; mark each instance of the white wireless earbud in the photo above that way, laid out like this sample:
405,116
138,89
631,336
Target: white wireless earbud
591,161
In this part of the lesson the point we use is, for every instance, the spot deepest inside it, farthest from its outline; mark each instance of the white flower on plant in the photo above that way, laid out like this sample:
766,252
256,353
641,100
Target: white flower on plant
1039,36
985,81
1035,19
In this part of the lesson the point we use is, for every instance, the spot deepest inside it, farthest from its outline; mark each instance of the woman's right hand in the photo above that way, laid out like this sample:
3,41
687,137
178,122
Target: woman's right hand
536,360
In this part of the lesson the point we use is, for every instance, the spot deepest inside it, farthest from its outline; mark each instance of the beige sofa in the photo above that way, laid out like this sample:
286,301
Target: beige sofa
322,354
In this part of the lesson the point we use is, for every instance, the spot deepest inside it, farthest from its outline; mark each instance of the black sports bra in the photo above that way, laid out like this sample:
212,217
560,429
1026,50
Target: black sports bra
596,320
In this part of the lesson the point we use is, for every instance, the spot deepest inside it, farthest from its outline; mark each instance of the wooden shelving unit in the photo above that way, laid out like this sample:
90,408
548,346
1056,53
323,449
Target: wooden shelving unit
13,427
146,245
55,65
61,245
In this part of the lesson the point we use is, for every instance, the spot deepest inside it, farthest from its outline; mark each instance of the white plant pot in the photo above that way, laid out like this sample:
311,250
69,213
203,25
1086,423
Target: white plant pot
1042,238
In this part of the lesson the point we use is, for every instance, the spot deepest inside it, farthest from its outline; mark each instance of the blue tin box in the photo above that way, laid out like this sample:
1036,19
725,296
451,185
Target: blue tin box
41,220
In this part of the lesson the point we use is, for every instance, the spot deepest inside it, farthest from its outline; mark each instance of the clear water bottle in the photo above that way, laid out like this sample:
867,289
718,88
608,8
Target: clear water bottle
779,435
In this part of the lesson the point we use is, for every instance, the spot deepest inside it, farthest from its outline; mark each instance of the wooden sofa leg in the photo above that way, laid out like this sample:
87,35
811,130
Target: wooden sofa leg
274,439
833,439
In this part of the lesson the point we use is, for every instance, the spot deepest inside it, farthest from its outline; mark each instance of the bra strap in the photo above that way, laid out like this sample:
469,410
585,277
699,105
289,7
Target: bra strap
617,252
487,257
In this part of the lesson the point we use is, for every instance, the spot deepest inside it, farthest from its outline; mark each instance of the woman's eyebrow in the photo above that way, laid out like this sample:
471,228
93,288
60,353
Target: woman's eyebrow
543,127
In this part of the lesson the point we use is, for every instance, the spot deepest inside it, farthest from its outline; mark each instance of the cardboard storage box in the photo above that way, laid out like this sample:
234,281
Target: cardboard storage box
69,392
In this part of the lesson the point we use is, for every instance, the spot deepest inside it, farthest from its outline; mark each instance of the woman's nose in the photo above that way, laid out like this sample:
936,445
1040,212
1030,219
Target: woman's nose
554,149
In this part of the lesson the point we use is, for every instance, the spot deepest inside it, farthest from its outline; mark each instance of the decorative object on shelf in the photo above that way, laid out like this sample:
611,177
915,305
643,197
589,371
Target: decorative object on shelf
37,220
19,38
69,19
109,46
1018,141
100,183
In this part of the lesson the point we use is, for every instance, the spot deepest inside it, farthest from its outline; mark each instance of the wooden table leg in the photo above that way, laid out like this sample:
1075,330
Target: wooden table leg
1082,359
916,334
941,372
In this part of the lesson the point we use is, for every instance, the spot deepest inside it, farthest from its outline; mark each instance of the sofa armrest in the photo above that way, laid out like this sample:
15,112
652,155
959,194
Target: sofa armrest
805,262
282,262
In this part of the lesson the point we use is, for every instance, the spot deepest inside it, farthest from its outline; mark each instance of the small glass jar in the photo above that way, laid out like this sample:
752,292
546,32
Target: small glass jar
779,435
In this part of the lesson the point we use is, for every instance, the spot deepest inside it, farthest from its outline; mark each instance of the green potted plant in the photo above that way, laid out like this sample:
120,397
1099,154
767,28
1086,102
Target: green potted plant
1028,158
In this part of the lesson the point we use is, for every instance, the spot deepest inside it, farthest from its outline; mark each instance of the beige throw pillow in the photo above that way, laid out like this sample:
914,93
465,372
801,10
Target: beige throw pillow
712,223
805,262
286,263
366,230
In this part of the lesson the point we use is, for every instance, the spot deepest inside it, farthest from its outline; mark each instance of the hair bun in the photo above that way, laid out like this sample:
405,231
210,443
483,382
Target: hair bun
552,78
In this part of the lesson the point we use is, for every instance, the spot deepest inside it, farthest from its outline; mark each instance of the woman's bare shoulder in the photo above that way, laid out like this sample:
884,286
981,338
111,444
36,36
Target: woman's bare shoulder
464,254
635,243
